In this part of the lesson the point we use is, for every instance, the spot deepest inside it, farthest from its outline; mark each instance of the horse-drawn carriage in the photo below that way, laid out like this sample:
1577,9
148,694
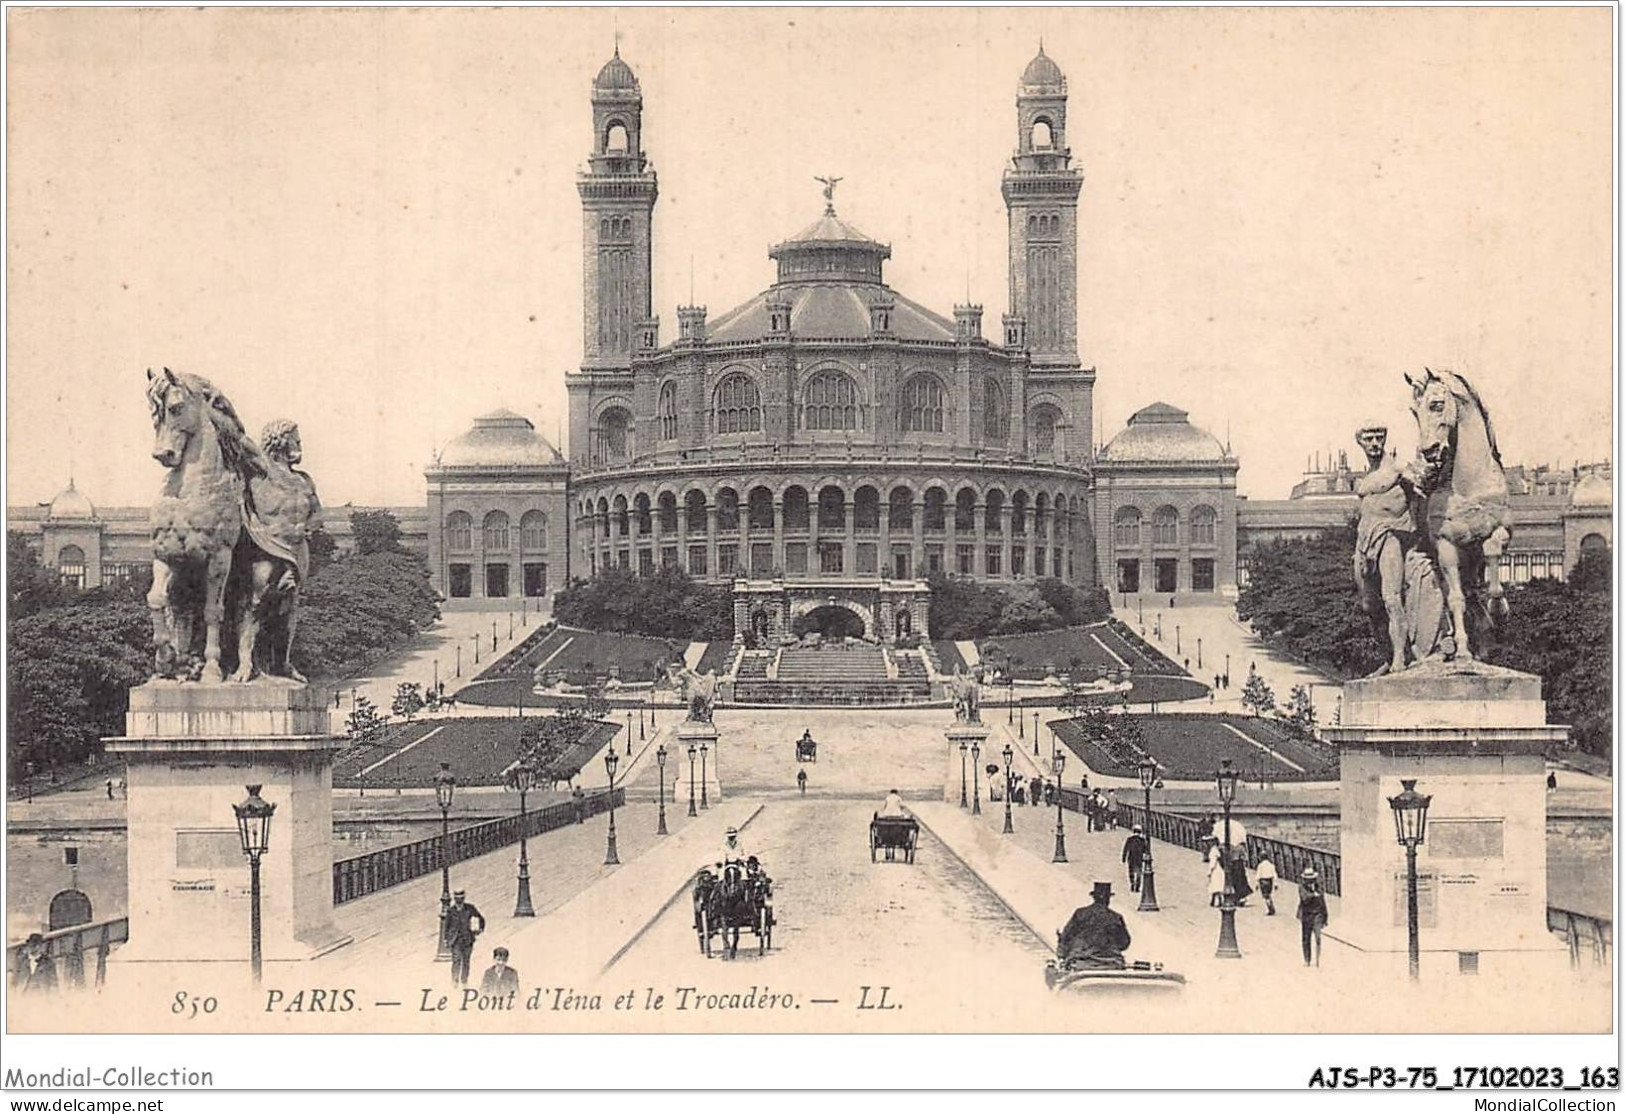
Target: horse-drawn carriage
806,749
741,898
892,834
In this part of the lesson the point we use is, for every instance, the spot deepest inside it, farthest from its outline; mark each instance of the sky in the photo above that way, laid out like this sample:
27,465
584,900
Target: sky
367,220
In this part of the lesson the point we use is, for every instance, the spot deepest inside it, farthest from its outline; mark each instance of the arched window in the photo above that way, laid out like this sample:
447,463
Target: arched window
866,508
614,435
1041,429
796,514
1125,527
1018,513
533,531
694,508
496,531
965,511
832,402
738,405
900,509
668,410
993,519
831,508
70,562
640,511
759,508
1165,526
666,507
920,410
995,413
459,532
616,139
1204,525
727,509
1042,134
936,509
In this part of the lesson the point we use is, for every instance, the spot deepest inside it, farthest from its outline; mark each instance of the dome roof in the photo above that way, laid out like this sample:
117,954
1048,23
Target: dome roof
1163,434
500,439
1595,489
830,311
616,74
71,504
1043,72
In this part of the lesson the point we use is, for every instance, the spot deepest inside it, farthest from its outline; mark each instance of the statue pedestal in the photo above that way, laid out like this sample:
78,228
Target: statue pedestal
692,734
192,750
968,734
1474,738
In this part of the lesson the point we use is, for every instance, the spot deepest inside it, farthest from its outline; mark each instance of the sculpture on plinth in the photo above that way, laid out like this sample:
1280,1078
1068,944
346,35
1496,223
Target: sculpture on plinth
699,691
281,509
967,694
1399,585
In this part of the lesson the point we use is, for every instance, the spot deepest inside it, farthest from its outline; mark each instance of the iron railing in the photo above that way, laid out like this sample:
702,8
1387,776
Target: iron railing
1583,933
379,870
62,963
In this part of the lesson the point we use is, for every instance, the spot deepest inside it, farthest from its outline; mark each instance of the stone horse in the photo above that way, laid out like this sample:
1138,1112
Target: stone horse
699,691
967,694
1469,516
197,518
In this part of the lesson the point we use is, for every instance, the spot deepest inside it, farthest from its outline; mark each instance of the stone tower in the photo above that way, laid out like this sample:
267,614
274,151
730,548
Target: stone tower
1041,194
618,194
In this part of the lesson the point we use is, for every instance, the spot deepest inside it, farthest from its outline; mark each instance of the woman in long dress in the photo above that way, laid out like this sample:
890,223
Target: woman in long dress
1215,876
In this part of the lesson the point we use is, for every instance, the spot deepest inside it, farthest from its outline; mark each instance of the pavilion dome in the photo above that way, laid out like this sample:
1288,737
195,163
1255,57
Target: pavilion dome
1043,73
616,74
500,439
1163,434
70,503
1595,489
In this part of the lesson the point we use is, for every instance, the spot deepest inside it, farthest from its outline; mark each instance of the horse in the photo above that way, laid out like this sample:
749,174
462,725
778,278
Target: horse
197,519
1469,516
738,899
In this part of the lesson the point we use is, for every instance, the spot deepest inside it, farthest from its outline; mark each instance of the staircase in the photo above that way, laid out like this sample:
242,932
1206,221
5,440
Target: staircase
834,675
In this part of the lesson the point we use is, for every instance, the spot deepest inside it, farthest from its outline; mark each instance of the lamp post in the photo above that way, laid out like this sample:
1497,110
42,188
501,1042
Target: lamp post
1148,874
1021,727
524,779
1035,727
1141,601
254,826
1198,651
660,761
964,749
704,800
610,762
975,779
476,640
641,735
444,786
1410,825
691,753
1228,948
459,649
628,733
1176,638
1009,757
1059,764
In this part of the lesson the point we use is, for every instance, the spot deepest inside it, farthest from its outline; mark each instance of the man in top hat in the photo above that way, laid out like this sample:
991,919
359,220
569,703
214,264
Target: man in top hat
499,977
463,923
1095,937
1134,855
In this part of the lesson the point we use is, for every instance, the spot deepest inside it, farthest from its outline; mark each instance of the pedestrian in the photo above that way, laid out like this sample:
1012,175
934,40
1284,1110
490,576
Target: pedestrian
1035,791
499,978
579,799
1311,913
1049,792
1551,780
1134,856
1216,681
1266,883
1111,809
801,781
110,789
1086,783
460,934
42,973
995,792
1215,877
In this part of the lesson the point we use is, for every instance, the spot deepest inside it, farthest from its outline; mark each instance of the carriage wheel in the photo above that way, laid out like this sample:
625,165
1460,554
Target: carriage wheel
705,934
872,843
763,931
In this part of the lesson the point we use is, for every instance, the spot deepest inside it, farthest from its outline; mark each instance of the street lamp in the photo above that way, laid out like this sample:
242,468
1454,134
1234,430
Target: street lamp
660,760
1009,758
1410,825
1148,875
1176,638
1035,728
691,753
444,786
1198,651
610,762
1228,948
254,826
524,779
1059,763
975,779
704,801
964,749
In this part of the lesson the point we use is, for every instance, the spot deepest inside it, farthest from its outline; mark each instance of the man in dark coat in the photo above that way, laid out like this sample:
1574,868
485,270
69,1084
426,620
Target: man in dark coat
463,923
1095,937
1134,856
500,979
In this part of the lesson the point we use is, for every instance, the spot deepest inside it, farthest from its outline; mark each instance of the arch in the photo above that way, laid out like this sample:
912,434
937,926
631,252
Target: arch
993,519
666,508
1018,513
866,508
900,508
1165,525
1126,528
936,509
1042,422
603,516
1204,525
904,623
640,511
67,909
760,508
668,410
796,509
70,555
1040,511
496,531
615,427
727,508
803,607
459,532
920,407
831,402
736,405
965,510
995,413
831,508
621,522
617,140
533,531
1043,133
694,508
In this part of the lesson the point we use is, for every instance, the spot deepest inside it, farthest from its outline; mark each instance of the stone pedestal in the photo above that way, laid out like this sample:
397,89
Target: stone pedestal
192,750
693,734
969,734
1473,736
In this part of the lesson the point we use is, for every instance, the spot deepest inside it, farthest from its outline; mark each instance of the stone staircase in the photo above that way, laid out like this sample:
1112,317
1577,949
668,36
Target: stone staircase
834,675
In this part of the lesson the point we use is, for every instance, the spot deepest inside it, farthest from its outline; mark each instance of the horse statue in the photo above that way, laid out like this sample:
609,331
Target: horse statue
967,694
281,510
1469,518
197,519
699,690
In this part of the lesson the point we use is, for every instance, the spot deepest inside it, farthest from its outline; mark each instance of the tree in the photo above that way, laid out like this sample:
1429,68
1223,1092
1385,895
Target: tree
322,549
1256,694
1301,598
408,700
375,532
30,586
364,723
1300,709
667,604
360,608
